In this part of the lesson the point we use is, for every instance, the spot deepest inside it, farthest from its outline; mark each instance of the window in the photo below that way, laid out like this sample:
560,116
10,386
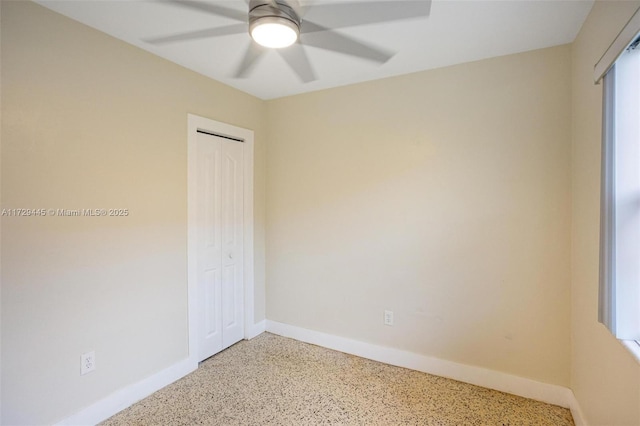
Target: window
619,304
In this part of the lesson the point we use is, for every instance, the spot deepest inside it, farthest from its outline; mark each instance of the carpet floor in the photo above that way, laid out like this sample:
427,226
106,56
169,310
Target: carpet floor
272,380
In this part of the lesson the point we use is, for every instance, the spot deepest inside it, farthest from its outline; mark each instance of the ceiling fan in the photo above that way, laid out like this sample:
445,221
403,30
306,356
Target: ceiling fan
280,25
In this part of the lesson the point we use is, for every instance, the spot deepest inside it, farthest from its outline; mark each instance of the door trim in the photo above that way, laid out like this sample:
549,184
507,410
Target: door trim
195,123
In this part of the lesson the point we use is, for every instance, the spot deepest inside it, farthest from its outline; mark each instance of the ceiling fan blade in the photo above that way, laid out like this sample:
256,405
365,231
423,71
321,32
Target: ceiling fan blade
351,14
250,59
213,9
194,35
324,38
297,59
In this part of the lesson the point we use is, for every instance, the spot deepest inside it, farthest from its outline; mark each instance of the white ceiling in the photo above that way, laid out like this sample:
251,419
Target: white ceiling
455,32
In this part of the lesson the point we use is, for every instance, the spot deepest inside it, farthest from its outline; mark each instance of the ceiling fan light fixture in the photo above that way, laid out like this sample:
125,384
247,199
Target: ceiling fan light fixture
274,32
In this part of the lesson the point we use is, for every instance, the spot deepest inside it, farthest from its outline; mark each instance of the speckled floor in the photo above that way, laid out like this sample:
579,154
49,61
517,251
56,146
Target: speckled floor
272,380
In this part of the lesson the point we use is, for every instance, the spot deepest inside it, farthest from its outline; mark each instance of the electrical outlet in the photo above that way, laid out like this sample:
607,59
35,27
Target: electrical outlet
388,317
87,362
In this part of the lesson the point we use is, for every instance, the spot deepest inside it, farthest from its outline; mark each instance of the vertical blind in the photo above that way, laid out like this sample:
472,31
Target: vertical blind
606,299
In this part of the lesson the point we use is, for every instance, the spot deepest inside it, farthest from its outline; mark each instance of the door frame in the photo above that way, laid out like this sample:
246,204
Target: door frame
195,123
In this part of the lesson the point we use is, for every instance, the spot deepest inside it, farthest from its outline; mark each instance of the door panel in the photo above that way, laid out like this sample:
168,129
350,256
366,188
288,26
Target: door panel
232,248
209,247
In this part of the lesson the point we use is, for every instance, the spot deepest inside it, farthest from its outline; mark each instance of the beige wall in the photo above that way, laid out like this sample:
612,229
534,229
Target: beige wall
443,196
91,122
605,378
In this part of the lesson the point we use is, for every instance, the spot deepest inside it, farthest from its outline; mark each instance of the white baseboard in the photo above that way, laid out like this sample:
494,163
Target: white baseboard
576,412
528,388
129,395
256,329
491,379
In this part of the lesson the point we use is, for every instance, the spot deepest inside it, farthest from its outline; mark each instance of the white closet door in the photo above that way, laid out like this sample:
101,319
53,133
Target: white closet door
220,249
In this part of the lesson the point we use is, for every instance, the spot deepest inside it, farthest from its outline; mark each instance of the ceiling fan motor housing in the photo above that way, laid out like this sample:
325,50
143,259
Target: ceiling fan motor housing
264,10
